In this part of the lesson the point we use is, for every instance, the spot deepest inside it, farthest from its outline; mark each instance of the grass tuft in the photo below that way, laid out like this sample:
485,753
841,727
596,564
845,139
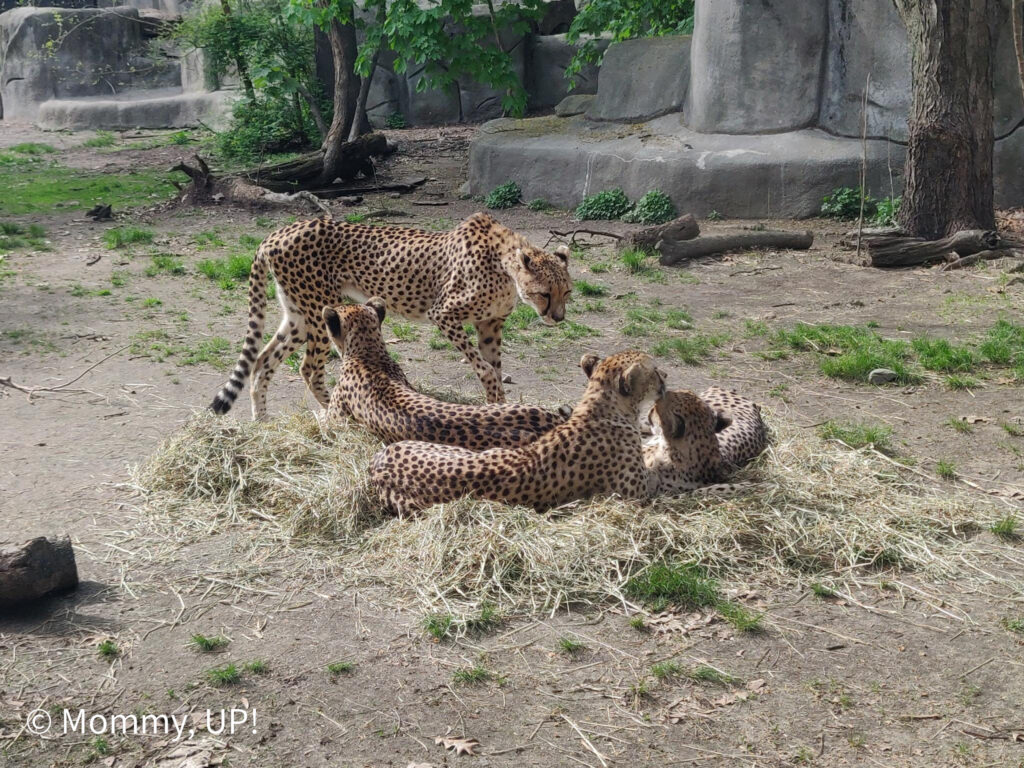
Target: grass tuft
570,646
119,237
207,644
851,353
336,668
584,288
228,270
1006,528
691,350
108,649
858,435
226,675
473,675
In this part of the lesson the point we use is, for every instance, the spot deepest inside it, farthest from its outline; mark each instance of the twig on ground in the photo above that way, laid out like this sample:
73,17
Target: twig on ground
5,381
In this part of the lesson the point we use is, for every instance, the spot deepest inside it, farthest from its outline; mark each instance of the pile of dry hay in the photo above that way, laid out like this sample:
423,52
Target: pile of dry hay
819,508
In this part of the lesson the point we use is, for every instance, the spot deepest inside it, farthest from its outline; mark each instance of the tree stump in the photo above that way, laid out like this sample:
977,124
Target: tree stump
913,251
38,568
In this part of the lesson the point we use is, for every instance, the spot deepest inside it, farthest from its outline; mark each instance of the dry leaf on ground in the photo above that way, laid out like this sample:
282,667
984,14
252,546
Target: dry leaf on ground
459,746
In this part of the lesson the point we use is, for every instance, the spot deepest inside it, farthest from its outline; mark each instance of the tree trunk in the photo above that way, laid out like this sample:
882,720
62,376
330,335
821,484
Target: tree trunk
243,70
360,122
948,184
343,49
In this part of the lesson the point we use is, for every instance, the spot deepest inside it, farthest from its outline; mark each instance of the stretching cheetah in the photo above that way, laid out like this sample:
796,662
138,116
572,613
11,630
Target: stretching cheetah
599,450
469,275
697,444
373,390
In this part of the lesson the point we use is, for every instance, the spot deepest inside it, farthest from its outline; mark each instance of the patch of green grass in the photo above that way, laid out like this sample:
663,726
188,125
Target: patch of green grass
98,747
858,434
638,623
472,675
336,668
706,674
119,279
250,241
572,330
741,618
355,218
1006,528
691,350
256,667
45,185
108,649
851,353
959,425
79,291
539,204
226,675
570,646
100,140
438,340
606,205
227,271
1004,345
666,670
1013,430
821,590
33,148
584,288
209,238
165,264
634,260
216,351
1014,625
119,237
959,382
521,318
684,584
404,331
208,644
946,470
600,268
486,620
438,625
939,355
715,216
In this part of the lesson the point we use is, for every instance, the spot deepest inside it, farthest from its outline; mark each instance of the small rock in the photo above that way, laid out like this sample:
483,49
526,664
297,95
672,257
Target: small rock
574,105
882,376
506,379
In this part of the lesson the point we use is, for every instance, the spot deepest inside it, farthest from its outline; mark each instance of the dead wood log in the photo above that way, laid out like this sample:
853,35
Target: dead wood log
37,568
683,228
974,258
673,252
913,251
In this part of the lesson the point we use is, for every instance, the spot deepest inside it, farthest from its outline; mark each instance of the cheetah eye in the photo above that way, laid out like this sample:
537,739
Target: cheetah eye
546,296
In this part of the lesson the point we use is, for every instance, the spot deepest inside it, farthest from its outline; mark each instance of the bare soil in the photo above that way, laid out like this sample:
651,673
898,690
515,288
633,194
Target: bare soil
910,671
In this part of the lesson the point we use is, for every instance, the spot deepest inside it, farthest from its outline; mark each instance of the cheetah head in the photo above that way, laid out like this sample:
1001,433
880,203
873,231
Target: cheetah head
630,379
542,280
690,427
355,323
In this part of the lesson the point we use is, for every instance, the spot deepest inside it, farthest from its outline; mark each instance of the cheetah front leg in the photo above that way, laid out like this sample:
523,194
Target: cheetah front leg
314,364
452,328
488,335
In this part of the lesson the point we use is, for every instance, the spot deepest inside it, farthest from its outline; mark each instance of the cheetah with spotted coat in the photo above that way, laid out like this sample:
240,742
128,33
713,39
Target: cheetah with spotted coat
472,274
598,450
699,441
373,390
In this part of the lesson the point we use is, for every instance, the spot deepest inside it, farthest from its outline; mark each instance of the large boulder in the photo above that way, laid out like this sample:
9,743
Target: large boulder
756,65
140,109
547,61
48,54
642,78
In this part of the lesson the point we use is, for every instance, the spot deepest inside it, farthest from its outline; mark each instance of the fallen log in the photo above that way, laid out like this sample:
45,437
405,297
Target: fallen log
974,258
38,568
887,252
673,252
682,228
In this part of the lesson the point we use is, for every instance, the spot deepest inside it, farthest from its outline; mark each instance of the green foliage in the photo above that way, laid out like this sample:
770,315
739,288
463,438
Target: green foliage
1006,527
634,260
438,625
336,668
396,121
226,675
851,353
585,288
108,649
570,646
227,271
609,204
624,20
940,355
886,211
844,203
858,435
682,584
506,195
655,207
208,644
100,140
472,675
263,127
1004,345
32,148
692,350
119,237
946,470
539,204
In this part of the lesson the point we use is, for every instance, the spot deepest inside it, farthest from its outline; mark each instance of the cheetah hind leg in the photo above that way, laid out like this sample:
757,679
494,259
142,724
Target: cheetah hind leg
285,341
314,365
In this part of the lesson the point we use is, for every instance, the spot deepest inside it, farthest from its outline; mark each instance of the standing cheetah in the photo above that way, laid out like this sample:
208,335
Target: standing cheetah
373,389
471,274
599,450
697,444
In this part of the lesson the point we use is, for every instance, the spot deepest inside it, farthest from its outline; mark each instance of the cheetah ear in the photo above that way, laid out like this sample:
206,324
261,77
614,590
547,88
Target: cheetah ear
721,421
562,252
330,315
379,306
588,363
628,380
523,257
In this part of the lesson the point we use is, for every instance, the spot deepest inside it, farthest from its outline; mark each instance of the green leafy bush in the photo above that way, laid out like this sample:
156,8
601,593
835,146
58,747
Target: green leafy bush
653,208
844,203
607,205
506,195
395,121
885,211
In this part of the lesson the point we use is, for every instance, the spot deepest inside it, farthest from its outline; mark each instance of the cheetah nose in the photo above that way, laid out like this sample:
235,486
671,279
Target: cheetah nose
558,315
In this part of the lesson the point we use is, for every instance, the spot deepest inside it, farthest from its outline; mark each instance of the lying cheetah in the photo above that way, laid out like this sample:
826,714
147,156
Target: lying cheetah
699,441
469,275
599,450
373,390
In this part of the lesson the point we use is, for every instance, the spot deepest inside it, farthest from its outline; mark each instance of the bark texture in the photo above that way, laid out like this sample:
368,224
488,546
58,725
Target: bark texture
948,185
674,251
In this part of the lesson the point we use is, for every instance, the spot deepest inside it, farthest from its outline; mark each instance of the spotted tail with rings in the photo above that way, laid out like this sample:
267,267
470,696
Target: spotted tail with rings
253,337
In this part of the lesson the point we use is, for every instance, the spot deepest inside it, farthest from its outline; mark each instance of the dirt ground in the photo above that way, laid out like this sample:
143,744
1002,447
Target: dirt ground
920,674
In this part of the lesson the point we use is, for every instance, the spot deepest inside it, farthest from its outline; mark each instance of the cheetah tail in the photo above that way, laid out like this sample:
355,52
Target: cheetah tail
253,338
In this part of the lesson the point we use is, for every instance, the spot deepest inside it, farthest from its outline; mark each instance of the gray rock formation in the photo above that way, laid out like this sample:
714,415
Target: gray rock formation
548,59
641,79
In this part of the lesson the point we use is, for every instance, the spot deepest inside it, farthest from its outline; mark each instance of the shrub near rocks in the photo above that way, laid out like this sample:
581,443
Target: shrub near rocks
506,195
653,208
607,205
